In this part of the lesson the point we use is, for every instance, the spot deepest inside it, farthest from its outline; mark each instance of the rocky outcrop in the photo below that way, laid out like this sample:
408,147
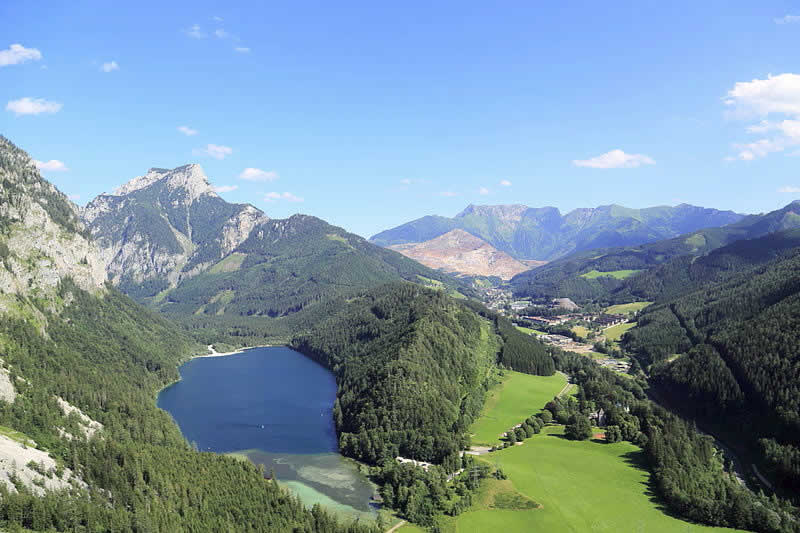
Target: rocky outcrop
166,226
462,253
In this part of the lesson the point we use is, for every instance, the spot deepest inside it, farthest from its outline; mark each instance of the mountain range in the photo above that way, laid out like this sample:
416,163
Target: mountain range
616,274
544,234
168,240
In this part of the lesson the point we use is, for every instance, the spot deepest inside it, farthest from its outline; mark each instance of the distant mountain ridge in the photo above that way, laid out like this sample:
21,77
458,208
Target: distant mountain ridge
544,234
565,276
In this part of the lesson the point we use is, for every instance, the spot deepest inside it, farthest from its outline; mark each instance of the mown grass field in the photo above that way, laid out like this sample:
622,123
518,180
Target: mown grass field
615,333
509,403
627,309
577,486
616,274
529,331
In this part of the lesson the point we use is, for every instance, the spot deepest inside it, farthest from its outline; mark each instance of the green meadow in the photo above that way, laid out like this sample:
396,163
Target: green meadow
581,331
615,333
627,309
616,274
512,401
555,484
530,331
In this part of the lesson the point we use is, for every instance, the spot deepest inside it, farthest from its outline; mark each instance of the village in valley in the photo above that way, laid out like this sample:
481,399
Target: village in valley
591,331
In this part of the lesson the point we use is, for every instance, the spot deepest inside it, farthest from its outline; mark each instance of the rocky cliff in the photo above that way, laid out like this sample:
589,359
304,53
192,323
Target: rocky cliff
166,226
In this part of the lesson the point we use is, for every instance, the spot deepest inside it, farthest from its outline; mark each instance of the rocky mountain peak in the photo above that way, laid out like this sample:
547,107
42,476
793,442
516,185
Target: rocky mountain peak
190,178
508,212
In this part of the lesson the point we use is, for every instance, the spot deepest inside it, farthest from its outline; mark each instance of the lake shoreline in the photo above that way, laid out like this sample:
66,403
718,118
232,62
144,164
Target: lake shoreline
215,353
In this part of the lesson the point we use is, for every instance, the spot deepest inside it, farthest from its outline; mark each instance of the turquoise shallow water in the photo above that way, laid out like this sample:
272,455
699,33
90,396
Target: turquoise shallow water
272,405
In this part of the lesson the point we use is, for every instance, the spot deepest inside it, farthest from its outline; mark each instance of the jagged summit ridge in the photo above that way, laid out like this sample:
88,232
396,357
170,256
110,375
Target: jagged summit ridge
189,177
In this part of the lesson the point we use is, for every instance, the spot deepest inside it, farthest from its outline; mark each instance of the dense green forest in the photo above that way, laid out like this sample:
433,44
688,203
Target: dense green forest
728,355
109,356
563,278
412,367
285,267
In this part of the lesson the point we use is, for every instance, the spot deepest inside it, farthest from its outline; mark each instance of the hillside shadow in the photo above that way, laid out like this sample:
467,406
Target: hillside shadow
638,460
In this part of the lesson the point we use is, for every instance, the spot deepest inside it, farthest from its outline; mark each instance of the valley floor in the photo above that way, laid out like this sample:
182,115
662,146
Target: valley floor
578,486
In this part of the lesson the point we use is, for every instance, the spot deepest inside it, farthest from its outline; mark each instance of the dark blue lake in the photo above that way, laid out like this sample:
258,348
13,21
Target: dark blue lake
274,406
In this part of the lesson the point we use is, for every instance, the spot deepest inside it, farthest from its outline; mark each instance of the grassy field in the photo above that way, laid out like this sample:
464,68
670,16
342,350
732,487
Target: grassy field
582,331
576,486
530,331
616,274
581,486
515,399
15,435
615,333
627,309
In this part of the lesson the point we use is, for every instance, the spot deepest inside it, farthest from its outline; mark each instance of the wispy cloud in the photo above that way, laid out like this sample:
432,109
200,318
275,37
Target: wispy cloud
483,191
287,196
615,159
186,130
220,33
215,18
242,49
32,106
505,183
225,188
788,19
256,174
195,32
789,189
763,98
214,150
111,66
17,54
54,165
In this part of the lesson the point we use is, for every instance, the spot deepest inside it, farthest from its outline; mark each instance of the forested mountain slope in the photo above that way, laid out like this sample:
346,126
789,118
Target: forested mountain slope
567,277
413,366
545,234
737,365
67,336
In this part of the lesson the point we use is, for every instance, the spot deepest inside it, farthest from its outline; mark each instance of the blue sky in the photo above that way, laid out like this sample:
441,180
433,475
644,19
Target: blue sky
369,115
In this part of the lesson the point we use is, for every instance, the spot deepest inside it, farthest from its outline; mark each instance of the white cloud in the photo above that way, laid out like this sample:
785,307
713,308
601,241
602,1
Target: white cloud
242,49
74,197
483,191
225,188
195,32
788,19
217,19
32,106
256,174
789,189
274,196
110,66
615,159
505,183
17,54
214,150
406,181
448,194
54,165
776,95
220,33
186,130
